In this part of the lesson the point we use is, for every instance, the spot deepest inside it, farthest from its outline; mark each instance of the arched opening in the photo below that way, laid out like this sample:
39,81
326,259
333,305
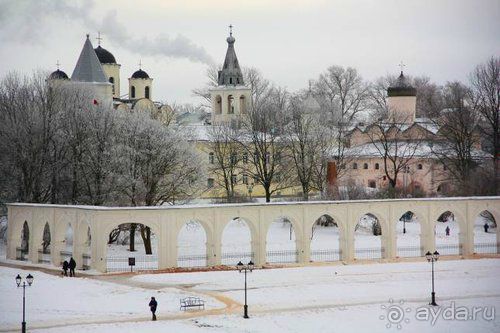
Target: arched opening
44,256
132,92
447,234
23,251
485,233
280,242
218,104
408,236
192,245
243,105
112,81
131,240
368,238
67,249
236,242
325,239
230,104
146,92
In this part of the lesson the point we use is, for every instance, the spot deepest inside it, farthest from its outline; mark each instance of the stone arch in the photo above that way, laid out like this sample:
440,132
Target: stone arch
230,104
243,104
367,245
282,240
486,233
218,104
117,254
325,242
409,235
237,238
46,238
193,243
451,244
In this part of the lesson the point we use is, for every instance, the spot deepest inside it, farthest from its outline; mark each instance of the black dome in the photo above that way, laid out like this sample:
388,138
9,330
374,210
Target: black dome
401,88
105,57
140,74
58,75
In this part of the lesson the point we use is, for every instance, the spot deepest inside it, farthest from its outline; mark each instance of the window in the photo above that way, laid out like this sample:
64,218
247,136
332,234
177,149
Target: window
245,158
132,92
365,166
218,104
210,182
211,158
245,179
372,184
230,106
243,108
234,180
234,158
377,166
146,92
238,80
230,80
419,167
355,165
277,158
112,81
384,178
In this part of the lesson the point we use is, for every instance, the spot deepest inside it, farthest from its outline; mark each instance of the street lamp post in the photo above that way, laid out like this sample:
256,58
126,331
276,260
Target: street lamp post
29,279
241,267
432,257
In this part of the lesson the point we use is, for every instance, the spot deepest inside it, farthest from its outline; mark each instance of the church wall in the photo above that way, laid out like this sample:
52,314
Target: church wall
140,85
402,108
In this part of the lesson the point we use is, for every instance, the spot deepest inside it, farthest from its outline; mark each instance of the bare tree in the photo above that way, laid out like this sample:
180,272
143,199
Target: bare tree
395,146
224,157
344,94
485,82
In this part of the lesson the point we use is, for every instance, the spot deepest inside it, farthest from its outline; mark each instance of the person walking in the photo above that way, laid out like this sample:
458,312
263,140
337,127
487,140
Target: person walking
152,306
447,230
486,227
72,266
65,268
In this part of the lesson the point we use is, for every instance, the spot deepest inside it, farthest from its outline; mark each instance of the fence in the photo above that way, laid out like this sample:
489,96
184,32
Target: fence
449,249
487,248
86,261
369,253
326,255
192,260
21,254
282,257
44,257
232,258
410,251
142,262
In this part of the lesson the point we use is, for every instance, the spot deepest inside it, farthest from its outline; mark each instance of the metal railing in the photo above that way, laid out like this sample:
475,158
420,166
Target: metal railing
86,261
21,254
282,256
192,260
491,247
232,258
326,255
369,253
410,251
449,249
142,262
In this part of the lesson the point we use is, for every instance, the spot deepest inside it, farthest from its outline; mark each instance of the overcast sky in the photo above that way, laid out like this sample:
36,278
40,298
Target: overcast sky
289,41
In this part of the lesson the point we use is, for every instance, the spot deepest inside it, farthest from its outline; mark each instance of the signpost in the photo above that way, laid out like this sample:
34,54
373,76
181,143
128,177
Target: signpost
131,263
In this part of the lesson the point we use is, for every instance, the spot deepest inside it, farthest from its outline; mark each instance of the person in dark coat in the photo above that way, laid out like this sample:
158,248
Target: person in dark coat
72,266
486,227
65,268
447,230
152,305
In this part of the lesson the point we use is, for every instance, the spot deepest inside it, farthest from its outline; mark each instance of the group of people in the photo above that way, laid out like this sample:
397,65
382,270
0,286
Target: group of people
71,265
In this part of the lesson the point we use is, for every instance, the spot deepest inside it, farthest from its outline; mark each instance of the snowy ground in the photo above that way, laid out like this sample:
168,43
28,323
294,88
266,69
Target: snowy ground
334,298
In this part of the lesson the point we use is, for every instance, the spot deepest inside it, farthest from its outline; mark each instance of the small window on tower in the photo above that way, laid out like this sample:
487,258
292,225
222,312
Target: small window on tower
419,167
355,165
146,92
230,80
377,166
132,92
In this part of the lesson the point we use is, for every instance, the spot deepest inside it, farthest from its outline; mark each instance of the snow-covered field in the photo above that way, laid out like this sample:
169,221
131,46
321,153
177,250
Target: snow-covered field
334,298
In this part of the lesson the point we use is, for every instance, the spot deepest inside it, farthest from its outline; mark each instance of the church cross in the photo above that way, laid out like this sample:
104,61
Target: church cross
58,64
99,38
230,30
401,65
140,63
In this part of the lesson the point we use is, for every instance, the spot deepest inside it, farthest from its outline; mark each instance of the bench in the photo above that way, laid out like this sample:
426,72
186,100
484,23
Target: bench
192,302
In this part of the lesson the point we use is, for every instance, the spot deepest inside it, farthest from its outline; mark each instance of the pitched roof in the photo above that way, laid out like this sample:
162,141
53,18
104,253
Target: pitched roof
231,71
88,68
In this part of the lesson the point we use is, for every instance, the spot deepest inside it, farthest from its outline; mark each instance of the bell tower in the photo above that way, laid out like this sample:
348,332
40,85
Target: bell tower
402,100
231,98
